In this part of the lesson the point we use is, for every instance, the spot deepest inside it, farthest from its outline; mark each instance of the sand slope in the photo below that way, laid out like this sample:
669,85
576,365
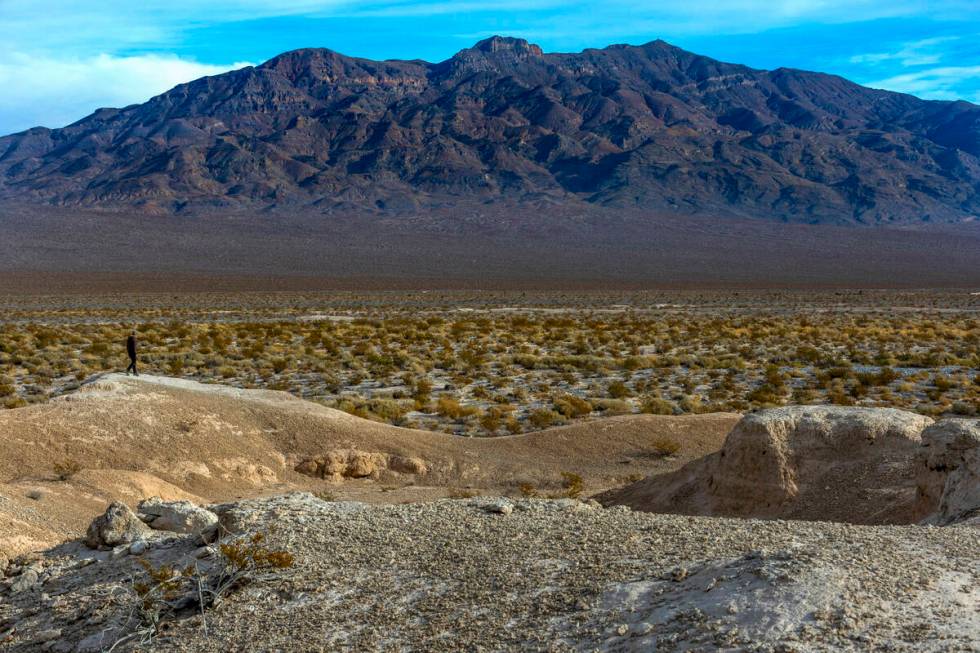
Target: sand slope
136,437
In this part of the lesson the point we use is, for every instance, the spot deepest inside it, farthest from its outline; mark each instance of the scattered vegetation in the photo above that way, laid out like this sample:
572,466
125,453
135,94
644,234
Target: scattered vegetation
541,361
166,591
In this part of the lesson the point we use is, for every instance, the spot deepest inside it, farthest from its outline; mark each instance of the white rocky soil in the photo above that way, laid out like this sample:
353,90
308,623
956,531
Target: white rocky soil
501,575
504,574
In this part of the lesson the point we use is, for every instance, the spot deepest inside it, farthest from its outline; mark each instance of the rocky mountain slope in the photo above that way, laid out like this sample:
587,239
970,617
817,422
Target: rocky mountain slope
651,127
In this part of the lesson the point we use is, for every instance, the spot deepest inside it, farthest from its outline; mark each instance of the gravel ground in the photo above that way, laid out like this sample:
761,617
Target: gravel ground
549,576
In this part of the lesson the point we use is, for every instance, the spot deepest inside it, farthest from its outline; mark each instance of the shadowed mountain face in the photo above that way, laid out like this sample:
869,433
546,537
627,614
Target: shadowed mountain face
650,128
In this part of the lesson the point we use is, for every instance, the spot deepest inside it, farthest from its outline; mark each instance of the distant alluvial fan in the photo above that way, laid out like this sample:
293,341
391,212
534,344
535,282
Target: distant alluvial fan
649,127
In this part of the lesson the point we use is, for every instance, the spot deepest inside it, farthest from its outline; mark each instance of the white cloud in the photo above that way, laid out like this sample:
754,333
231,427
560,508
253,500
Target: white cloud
53,92
916,53
943,83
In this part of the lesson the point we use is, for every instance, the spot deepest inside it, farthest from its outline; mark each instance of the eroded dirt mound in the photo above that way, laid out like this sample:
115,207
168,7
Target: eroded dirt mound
855,465
133,438
949,472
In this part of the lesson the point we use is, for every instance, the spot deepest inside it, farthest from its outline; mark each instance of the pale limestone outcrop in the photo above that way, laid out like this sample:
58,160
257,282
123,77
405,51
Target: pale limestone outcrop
805,462
949,472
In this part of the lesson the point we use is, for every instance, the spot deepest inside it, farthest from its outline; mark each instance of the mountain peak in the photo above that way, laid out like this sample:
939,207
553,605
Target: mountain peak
652,127
518,46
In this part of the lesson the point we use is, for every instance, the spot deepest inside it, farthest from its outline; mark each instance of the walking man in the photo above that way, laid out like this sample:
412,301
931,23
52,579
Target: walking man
131,350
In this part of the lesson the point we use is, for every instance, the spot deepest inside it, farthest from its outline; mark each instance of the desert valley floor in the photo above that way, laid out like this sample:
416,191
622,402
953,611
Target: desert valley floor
471,471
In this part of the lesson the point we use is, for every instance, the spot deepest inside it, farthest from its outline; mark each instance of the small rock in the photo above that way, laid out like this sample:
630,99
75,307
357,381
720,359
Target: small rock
176,516
623,629
643,628
204,552
61,646
210,534
97,642
119,525
27,580
500,507
119,552
49,635
138,547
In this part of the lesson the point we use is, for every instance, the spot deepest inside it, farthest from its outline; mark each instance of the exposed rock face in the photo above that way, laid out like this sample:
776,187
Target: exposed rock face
648,126
176,516
949,473
352,463
118,525
799,462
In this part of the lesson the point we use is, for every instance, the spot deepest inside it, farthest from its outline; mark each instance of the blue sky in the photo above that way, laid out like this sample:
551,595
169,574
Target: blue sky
61,59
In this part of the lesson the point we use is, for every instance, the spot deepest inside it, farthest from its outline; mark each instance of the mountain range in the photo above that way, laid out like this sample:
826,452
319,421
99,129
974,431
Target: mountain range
648,128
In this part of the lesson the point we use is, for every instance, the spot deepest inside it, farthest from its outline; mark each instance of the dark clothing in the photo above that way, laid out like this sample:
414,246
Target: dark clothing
131,350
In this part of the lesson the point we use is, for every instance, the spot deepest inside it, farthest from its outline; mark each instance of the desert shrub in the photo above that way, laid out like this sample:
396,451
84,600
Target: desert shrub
572,406
573,484
965,408
618,390
690,404
14,402
528,490
943,382
450,408
387,410
543,417
358,410
279,365
665,446
461,493
804,395
766,394
166,590
491,421
65,469
633,363
656,406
